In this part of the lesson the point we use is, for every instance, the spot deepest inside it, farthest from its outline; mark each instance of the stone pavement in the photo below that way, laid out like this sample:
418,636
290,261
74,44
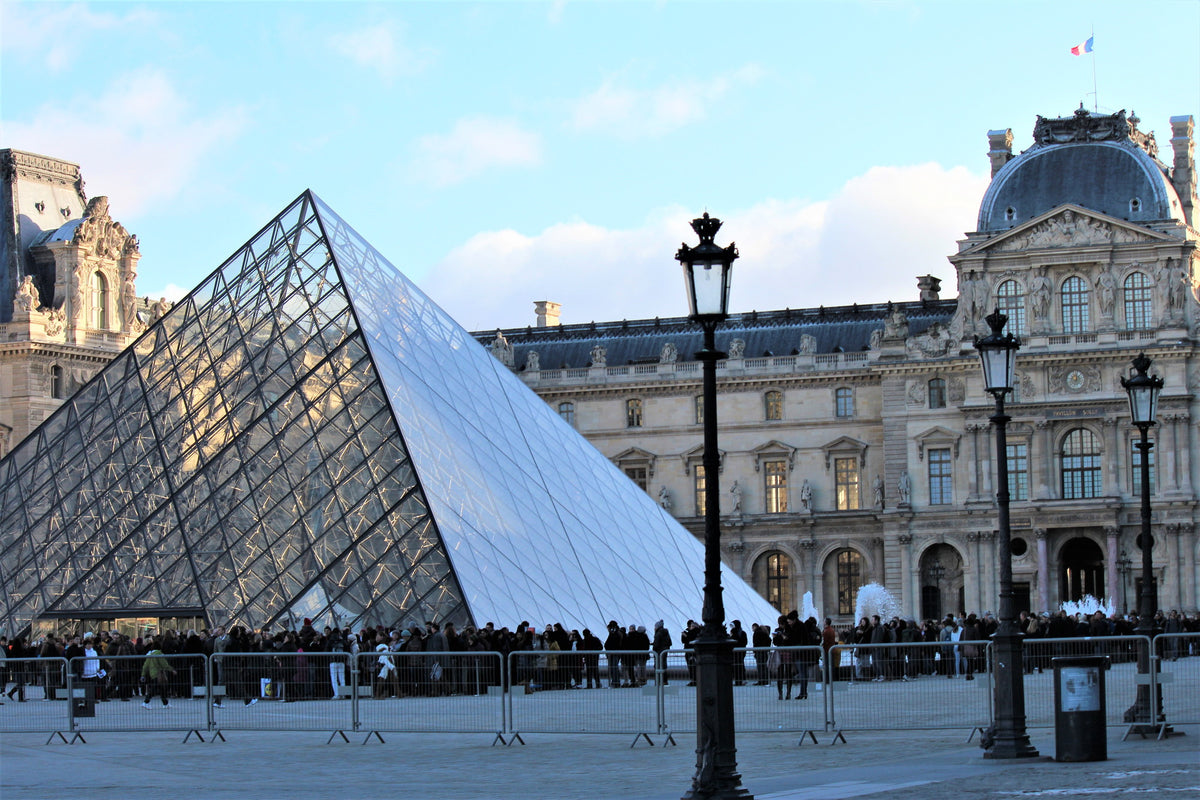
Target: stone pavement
906,765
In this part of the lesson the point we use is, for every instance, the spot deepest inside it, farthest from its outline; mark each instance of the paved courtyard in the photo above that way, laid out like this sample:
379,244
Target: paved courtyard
298,766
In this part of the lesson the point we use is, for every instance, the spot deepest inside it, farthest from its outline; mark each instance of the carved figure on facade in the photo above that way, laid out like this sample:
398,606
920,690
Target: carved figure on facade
669,354
1040,292
56,322
735,493
1106,294
933,343
533,361
877,492
956,390
737,348
916,394
599,356
876,339
806,493
1171,279
77,295
808,344
159,309
502,350
99,235
129,303
1028,390
905,487
896,325
664,498
27,296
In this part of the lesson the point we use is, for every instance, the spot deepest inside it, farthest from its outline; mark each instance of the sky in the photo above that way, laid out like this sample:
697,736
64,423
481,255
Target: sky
501,153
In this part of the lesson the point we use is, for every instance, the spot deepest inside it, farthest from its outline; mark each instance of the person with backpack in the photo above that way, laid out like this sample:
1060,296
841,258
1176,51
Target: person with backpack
156,674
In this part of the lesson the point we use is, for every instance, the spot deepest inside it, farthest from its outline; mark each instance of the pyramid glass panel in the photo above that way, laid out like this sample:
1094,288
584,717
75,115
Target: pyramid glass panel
308,435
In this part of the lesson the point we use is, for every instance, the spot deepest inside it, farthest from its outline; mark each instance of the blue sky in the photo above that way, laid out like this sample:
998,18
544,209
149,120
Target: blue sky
501,153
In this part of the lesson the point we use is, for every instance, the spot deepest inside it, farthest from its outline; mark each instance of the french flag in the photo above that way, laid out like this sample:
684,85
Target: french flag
1080,49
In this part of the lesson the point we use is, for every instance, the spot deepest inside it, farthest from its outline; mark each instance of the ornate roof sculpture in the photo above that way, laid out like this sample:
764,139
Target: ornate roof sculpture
308,435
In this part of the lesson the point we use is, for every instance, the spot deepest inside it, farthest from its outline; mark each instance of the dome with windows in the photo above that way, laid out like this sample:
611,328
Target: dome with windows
1100,162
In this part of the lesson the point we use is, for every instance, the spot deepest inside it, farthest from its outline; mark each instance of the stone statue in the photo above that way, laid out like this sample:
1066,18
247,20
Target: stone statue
56,322
1106,293
664,498
808,344
736,492
737,348
502,350
905,489
896,325
806,496
877,491
27,297
1039,292
129,302
599,356
669,354
533,361
1172,276
159,309
77,317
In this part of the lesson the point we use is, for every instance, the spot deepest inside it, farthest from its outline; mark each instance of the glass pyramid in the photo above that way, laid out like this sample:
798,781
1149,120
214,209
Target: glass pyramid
307,435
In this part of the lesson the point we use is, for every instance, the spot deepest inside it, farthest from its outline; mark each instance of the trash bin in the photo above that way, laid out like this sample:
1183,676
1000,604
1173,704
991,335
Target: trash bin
1079,732
84,699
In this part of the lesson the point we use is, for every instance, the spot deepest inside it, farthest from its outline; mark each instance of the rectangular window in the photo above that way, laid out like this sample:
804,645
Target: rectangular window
567,412
846,476
775,476
633,413
937,393
638,475
699,487
700,409
941,477
1135,470
1018,471
844,402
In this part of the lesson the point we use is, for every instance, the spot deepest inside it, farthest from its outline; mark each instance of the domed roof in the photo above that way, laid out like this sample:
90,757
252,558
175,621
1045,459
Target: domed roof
1103,163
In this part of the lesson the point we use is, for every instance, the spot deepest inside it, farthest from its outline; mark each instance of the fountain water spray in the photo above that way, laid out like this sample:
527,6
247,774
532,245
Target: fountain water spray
874,599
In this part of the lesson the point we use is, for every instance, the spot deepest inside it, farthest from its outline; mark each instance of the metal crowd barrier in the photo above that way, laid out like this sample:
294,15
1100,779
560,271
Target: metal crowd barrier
1179,676
615,691
910,686
1120,683
901,686
389,690
36,683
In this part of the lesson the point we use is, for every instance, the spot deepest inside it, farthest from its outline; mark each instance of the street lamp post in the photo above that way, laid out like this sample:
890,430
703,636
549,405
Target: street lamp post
706,271
1143,390
997,356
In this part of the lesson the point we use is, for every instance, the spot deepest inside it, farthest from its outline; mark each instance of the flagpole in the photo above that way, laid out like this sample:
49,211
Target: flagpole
1095,90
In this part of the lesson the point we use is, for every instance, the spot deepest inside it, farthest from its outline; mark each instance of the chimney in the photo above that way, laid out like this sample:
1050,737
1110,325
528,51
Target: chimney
1183,176
547,313
929,287
1000,148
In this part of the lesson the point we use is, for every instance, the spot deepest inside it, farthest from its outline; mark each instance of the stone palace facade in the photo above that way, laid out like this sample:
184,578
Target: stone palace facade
855,441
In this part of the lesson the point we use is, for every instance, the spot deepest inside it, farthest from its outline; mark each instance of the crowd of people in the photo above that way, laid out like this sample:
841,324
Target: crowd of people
440,659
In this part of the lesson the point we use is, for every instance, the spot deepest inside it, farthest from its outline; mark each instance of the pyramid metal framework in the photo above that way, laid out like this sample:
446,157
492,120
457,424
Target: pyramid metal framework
307,435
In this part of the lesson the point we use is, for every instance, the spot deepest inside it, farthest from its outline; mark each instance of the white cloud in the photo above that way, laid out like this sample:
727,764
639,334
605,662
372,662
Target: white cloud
172,292
378,47
140,141
475,145
54,34
639,113
867,244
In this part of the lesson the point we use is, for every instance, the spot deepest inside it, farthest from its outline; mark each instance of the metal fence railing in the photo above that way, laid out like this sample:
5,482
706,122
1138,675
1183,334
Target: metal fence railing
901,686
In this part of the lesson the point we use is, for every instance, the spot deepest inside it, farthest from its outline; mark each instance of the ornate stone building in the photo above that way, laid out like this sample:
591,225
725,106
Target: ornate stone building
856,443
68,300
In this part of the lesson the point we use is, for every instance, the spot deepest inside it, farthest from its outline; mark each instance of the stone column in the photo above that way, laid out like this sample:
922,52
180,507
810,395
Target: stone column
1187,547
1112,465
973,579
1184,453
1112,579
990,591
1172,571
1045,487
806,549
1167,449
906,576
975,460
1043,567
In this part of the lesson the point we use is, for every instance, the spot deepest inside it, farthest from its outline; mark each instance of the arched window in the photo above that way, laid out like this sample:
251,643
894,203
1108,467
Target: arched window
773,579
566,410
1010,299
1137,301
849,580
1075,305
773,405
99,289
937,393
1080,465
57,385
633,413
844,402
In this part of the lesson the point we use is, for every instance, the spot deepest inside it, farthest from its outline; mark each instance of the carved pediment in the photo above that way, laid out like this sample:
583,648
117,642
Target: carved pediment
1068,226
636,456
696,456
935,436
843,446
100,235
774,450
